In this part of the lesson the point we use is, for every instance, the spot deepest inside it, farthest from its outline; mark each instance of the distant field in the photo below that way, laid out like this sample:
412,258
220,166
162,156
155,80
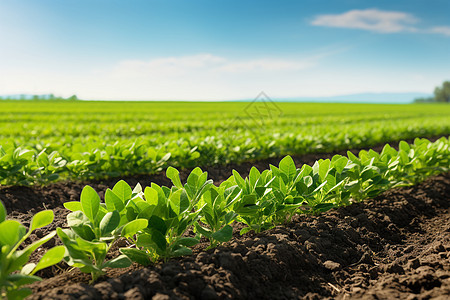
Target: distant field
97,139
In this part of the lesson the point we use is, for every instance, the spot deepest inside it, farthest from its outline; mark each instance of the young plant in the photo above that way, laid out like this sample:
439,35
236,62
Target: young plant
94,227
256,203
365,179
12,163
216,213
14,270
322,185
170,213
283,185
48,167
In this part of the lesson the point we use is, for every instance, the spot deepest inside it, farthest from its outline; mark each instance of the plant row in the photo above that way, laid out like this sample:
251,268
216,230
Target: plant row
89,158
42,142
158,221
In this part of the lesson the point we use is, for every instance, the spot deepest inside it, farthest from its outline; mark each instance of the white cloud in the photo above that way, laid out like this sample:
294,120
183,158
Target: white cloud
187,65
212,77
266,65
369,19
201,77
445,30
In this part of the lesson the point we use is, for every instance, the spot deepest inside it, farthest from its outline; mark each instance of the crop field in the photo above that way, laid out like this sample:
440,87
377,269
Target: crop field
239,200
42,141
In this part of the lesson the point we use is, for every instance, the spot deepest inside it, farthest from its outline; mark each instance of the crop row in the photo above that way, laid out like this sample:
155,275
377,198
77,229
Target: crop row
89,157
41,142
156,220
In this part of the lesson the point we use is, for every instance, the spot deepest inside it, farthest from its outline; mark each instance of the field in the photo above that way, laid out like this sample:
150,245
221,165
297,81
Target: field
45,141
346,216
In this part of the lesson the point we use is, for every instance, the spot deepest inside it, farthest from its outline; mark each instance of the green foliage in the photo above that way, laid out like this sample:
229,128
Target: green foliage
442,94
15,271
21,166
216,215
84,140
265,199
95,226
49,97
158,219
170,213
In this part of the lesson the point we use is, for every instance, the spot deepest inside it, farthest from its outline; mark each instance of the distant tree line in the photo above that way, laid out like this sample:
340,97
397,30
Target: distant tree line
49,97
441,94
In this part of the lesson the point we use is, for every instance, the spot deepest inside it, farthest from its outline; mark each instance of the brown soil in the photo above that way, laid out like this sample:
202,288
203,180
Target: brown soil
394,246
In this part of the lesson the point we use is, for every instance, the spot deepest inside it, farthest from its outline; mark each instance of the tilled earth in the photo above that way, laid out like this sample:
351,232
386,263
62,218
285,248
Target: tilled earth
394,246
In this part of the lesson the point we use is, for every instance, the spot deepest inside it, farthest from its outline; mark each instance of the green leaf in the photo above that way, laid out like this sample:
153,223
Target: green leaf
18,294
72,247
122,190
159,239
248,200
224,234
81,225
11,232
20,279
179,202
90,202
324,166
245,230
50,258
339,163
147,212
2,212
24,254
353,158
113,202
156,223
133,227
136,255
122,261
239,180
41,219
183,251
131,214
144,240
287,167
73,205
193,178
174,176
254,176
229,217
151,196
109,222
77,218
404,146
203,230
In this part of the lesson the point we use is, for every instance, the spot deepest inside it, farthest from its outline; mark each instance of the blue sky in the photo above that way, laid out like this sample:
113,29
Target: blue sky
216,50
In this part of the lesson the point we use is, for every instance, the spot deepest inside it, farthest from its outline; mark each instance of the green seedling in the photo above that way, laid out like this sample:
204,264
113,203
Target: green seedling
257,203
170,213
95,226
15,271
365,180
283,185
217,214
12,164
